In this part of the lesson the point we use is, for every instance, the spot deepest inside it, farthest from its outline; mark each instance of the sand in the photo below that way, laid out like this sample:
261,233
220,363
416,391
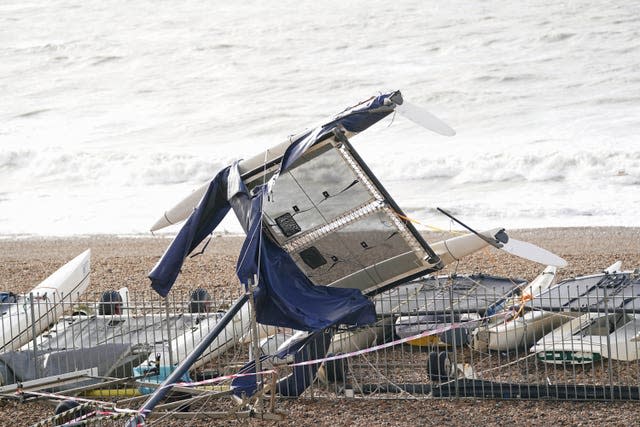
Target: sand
119,261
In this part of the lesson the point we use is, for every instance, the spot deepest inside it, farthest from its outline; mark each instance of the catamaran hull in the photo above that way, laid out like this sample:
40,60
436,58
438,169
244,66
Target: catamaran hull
50,299
589,338
518,333
456,248
349,341
182,345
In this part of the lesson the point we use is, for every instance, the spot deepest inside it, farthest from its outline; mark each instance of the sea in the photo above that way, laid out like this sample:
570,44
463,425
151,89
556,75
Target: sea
112,111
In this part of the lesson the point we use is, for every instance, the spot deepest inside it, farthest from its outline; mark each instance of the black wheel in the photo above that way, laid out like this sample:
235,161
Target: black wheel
457,337
200,301
439,366
110,303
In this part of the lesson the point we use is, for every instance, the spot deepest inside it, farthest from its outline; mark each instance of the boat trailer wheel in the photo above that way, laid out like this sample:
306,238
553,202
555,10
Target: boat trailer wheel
110,303
439,366
200,301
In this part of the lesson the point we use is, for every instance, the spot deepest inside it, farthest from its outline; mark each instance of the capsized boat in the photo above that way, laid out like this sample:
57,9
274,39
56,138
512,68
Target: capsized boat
606,291
127,343
321,232
446,294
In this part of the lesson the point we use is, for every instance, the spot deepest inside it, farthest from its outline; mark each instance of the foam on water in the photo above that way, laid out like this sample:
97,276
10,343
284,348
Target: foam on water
114,111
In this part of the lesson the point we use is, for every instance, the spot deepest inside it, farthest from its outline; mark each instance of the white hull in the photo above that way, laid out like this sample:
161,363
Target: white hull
183,345
182,210
346,342
51,298
505,334
523,331
185,207
592,336
456,248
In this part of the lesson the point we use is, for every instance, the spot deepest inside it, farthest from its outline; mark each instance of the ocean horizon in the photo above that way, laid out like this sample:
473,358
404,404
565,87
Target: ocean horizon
113,112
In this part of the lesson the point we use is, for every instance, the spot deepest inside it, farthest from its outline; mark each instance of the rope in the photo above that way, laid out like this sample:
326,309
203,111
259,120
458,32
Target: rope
431,227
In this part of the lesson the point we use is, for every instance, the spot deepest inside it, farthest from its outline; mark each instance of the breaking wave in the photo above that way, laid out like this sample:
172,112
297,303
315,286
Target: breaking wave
117,168
121,168
486,168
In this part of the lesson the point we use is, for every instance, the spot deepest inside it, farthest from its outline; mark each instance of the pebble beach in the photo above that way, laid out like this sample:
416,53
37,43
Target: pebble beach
125,261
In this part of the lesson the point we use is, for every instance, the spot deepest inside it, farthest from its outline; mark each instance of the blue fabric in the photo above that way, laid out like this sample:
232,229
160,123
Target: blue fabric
361,117
313,347
354,120
208,214
302,376
299,146
285,296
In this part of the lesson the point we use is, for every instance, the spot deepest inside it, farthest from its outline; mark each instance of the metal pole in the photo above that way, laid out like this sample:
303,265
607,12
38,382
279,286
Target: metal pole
183,367
609,316
34,336
166,313
255,339
454,368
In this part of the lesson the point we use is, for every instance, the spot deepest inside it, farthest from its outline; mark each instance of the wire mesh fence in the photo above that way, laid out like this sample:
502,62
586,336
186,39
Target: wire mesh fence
456,336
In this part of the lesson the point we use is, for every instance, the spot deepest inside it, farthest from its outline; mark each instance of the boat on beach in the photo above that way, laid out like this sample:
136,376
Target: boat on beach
323,237
604,309
546,305
605,291
438,301
26,316
322,232
130,344
590,338
512,324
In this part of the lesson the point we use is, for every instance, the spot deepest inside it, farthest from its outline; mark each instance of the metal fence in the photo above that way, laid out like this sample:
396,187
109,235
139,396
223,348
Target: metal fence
476,336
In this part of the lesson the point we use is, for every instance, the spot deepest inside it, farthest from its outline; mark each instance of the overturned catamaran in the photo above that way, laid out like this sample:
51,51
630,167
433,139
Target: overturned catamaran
322,235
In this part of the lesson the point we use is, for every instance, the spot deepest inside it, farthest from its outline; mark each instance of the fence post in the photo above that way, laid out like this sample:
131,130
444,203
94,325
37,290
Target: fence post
609,362
166,312
34,337
454,337
255,338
